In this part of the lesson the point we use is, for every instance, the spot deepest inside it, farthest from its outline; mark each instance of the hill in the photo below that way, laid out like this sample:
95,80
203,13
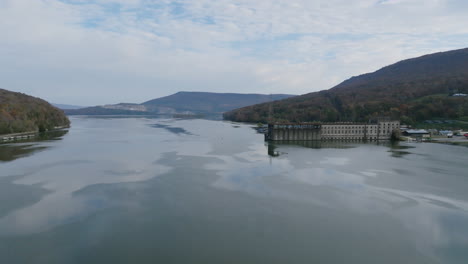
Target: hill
66,106
24,113
204,102
182,103
411,90
103,110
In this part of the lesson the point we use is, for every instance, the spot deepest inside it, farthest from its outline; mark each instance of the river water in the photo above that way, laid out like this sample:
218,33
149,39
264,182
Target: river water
156,190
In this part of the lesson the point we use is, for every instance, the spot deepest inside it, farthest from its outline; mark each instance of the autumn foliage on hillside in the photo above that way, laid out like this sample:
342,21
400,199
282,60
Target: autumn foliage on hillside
24,113
410,90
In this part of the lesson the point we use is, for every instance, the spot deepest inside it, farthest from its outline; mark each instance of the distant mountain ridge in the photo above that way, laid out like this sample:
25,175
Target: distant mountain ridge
67,106
182,103
410,90
23,113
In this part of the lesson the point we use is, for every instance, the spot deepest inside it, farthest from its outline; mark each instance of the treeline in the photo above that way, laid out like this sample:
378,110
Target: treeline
411,90
24,113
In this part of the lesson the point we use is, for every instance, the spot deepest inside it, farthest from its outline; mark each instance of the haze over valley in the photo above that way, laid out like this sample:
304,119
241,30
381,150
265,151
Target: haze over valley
188,103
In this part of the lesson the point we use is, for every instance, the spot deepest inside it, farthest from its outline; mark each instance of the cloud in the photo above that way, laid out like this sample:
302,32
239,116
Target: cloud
65,51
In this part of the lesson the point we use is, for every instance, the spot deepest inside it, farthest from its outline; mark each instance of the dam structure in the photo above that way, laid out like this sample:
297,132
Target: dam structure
380,130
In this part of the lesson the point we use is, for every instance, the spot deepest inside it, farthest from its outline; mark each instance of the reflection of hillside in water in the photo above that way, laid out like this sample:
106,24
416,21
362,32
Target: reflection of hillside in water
398,151
306,144
395,148
174,130
24,148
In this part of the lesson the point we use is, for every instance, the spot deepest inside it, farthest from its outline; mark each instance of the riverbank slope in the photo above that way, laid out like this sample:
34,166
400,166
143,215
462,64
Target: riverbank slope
23,113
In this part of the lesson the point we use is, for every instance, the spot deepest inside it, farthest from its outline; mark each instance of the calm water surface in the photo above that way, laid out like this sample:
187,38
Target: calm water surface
142,190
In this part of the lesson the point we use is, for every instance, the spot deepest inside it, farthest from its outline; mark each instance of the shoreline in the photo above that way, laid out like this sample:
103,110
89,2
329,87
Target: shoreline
26,135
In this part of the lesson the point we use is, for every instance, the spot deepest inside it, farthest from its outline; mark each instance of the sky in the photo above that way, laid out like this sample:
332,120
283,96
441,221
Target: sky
94,52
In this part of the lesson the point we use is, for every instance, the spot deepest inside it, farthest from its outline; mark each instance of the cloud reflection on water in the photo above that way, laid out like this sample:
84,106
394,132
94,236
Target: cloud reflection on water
351,179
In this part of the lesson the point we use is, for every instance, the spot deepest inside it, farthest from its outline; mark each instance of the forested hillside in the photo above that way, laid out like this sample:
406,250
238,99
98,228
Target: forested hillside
410,90
23,113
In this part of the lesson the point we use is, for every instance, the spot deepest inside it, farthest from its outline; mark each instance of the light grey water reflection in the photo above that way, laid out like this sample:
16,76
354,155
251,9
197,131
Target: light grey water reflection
143,190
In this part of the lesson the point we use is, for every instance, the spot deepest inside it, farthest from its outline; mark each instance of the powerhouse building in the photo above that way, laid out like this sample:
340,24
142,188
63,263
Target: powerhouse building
380,130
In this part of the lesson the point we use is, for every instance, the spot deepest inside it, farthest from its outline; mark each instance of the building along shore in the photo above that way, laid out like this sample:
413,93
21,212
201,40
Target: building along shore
380,130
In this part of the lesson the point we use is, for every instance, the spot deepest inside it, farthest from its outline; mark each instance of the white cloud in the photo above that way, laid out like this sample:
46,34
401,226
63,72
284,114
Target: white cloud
65,51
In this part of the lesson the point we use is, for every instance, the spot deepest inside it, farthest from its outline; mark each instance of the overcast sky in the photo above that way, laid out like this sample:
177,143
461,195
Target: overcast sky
92,52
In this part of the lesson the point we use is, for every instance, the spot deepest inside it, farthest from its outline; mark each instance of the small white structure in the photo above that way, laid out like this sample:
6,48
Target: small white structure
447,133
417,133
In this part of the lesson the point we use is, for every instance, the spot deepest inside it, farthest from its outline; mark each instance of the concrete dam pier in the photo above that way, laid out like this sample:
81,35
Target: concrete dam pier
381,130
